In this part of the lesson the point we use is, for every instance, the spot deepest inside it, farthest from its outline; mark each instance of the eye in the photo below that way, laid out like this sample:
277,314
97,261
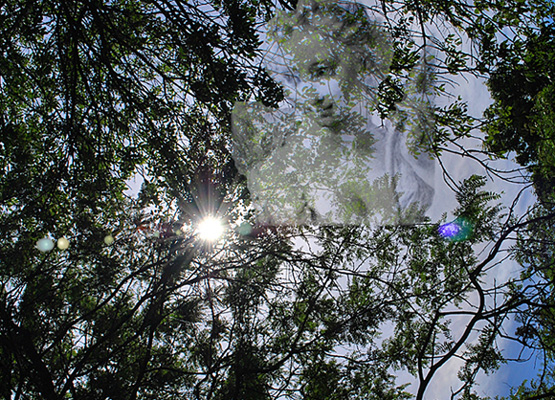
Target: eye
320,70
291,78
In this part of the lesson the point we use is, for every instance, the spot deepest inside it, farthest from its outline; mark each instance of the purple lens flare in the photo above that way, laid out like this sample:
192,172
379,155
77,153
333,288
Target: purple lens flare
458,230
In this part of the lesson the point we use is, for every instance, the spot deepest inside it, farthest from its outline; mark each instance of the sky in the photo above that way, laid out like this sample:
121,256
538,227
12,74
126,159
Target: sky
474,92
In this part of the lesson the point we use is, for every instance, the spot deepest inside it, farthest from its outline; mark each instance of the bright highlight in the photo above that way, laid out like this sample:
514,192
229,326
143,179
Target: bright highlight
45,245
210,229
457,231
63,243
109,239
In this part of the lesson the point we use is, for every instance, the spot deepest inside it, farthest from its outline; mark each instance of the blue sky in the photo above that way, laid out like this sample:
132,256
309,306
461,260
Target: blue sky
474,92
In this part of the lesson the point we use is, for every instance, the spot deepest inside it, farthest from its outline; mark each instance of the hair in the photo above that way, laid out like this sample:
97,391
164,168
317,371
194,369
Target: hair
362,42
365,59
354,27
370,49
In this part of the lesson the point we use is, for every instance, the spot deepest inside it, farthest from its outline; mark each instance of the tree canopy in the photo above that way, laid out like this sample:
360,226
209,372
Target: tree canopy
521,119
133,304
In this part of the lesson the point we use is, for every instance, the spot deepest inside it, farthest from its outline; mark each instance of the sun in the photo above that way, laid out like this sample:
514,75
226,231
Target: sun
210,229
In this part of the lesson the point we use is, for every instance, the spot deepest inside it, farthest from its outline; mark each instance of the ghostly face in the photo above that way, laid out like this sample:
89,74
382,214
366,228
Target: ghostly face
321,159
332,63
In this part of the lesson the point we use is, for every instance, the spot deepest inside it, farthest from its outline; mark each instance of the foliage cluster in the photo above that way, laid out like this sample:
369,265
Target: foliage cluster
93,92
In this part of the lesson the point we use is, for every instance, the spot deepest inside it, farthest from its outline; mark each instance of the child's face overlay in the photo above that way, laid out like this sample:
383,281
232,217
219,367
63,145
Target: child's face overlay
326,80
330,70
320,158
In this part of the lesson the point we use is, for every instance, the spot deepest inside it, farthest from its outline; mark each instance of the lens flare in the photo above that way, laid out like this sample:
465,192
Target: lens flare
45,245
244,229
457,230
210,229
63,243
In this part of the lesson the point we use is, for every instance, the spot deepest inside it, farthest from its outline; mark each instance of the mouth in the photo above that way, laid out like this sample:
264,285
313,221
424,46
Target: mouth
328,114
328,118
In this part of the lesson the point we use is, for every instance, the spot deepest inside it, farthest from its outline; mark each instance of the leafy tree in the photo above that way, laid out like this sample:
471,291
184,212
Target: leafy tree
521,121
91,93
534,251
522,117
